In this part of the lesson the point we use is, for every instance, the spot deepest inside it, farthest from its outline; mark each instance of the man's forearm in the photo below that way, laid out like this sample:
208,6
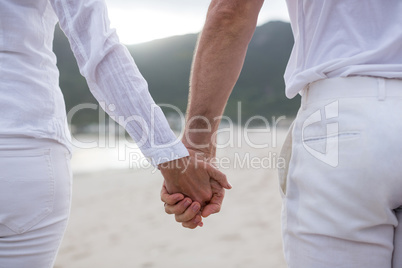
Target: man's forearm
217,64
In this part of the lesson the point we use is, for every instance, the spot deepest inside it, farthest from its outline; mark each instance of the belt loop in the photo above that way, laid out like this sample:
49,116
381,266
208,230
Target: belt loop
304,96
381,89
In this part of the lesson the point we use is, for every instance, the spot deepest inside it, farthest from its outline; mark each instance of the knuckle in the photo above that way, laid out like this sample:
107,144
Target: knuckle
207,196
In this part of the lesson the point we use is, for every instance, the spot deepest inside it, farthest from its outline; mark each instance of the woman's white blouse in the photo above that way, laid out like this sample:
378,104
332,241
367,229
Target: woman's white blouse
31,102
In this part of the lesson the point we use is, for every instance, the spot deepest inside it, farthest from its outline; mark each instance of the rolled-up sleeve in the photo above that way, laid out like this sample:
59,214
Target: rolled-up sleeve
114,78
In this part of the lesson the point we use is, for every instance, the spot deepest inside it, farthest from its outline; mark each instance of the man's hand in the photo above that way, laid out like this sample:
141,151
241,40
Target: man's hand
187,212
194,178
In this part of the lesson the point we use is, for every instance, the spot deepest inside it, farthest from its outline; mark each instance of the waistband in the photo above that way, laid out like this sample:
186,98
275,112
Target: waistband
352,87
18,143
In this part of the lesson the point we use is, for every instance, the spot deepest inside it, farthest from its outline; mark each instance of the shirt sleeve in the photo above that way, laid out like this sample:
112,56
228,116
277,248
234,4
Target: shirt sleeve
114,78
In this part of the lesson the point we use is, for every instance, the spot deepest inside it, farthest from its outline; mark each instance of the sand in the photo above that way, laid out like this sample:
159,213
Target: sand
118,220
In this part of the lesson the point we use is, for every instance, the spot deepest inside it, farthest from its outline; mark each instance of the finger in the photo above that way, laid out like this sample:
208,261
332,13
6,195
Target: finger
189,225
178,208
194,223
218,176
170,199
190,213
216,203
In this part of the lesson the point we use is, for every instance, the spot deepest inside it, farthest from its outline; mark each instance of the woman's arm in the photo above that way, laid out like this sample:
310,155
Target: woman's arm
114,78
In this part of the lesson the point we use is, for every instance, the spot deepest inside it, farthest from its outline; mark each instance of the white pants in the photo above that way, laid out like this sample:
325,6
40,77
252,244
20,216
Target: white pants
342,187
35,196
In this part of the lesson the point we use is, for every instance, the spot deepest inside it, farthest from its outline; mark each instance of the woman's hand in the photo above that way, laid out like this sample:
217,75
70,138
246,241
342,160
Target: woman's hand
189,213
185,210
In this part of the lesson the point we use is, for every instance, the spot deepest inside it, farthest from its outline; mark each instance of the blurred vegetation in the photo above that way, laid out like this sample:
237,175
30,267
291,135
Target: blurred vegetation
166,66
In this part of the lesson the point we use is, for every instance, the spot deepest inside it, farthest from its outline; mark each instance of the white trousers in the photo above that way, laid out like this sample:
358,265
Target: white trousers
35,197
342,187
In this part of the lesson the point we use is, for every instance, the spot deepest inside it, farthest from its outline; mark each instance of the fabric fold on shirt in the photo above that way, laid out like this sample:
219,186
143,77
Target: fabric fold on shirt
35,103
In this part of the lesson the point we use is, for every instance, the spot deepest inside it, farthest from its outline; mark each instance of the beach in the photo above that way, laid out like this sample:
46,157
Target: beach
118,220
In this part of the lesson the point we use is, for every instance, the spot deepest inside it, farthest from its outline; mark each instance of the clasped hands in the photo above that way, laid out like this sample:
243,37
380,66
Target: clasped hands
193,188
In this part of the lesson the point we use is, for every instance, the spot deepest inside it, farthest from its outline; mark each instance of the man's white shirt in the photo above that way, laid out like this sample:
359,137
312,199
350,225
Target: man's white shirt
341,38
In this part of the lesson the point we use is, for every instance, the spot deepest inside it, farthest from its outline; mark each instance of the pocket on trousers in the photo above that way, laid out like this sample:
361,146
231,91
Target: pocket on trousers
26,188
285,154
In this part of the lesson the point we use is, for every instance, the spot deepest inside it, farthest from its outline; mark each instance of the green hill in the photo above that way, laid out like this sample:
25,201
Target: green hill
166,65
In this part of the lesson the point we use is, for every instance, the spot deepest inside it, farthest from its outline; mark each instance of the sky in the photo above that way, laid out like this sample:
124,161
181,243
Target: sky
139,21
